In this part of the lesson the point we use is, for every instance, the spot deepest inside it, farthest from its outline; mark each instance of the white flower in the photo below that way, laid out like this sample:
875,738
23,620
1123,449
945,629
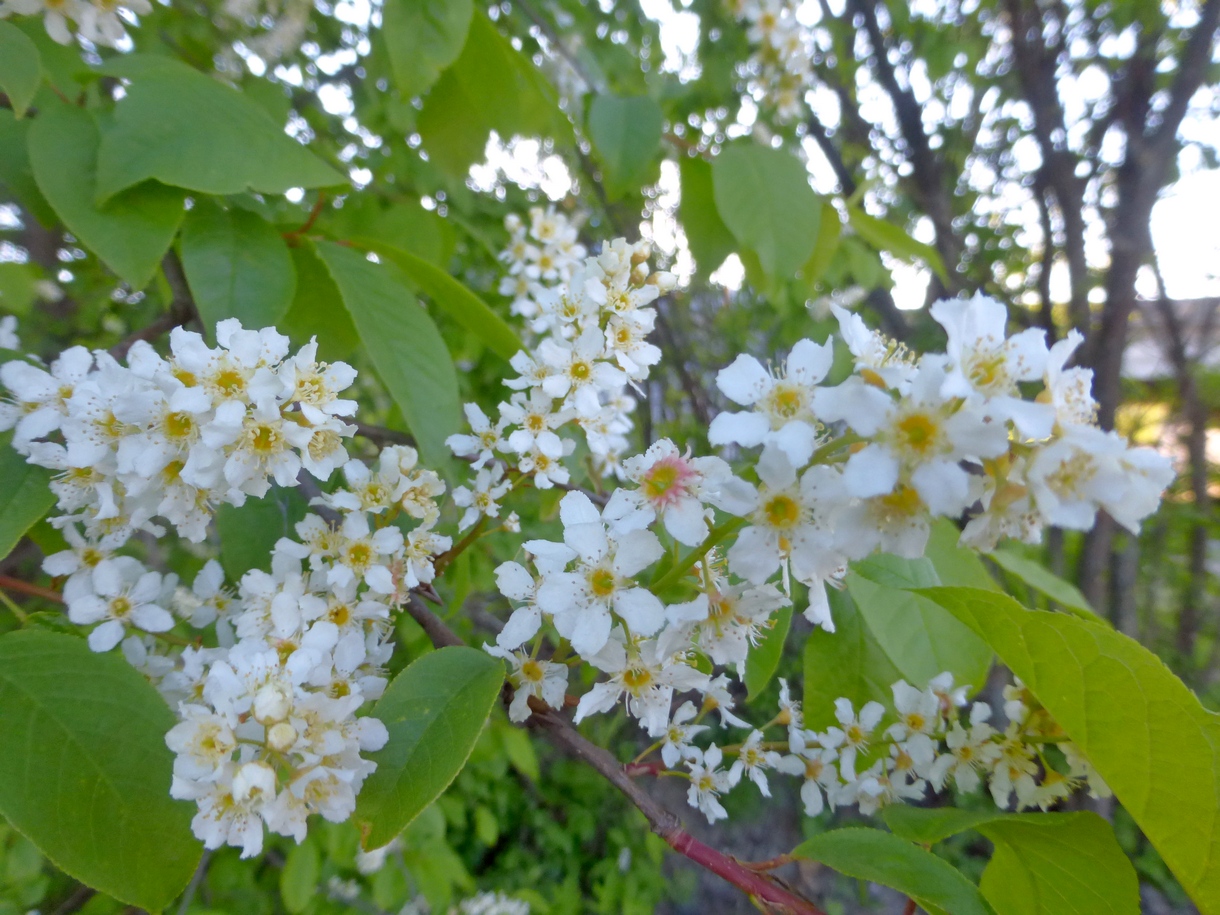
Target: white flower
124,595
203,742
753,761
790,525
783,416
361,553
674,488
970,750
543,680
484,439
855,734
577,371
645,675
581,601
229,807
676,744
918,440
985,365
40,398
314,386
707,782
880,361
481,500
1069,391
817,764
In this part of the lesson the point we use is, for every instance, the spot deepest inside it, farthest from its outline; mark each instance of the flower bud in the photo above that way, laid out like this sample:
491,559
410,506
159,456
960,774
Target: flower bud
272,703
281,737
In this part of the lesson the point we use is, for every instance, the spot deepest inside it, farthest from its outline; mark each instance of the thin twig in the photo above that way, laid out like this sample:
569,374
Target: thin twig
8,583
381,436
182,308
193,887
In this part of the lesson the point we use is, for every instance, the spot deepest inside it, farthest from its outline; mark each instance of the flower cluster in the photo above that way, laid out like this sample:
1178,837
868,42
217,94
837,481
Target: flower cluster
592,346
843,471
270,734
97,21
540,257
874,756
779,70
172,438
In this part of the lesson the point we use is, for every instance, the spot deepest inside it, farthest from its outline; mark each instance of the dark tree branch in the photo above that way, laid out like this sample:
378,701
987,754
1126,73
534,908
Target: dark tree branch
929,188
182,308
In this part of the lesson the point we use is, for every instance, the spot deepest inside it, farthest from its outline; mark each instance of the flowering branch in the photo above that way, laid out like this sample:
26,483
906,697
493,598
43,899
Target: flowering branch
557,729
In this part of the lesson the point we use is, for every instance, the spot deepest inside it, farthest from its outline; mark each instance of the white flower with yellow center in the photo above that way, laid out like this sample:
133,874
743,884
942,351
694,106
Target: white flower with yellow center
707,782
783,415
124,594
986,366
484,439
645,675
543,680
582,602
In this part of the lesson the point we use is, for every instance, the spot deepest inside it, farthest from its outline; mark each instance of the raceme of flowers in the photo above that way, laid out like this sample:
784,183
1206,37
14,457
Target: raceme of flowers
875,756
591,346
779,71
98,21
686,560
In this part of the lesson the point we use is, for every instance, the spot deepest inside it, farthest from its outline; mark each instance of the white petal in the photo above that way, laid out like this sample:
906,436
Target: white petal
636,551
809,362
745,429
871,471
744,381
640,609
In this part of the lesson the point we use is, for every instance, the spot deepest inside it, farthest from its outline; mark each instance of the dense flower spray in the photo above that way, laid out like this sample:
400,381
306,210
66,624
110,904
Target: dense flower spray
663,586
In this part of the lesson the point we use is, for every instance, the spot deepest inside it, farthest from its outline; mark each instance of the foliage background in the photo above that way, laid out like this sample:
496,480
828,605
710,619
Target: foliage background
1014,147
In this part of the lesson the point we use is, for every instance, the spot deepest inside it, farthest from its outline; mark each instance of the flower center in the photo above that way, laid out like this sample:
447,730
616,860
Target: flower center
787,400
531,670
636,678
265,439
120,607
601,582
179,425
918,432
581,371
782,511
662,482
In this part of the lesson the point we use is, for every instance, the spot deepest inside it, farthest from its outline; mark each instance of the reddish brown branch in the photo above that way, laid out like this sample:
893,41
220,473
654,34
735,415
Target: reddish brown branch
761,887
8,583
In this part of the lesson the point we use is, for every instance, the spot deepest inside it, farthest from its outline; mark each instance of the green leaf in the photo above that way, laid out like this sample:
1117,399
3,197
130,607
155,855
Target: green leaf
84,770
454,297
15,172
1043,580
237,266
434,711
405,346
1138,724
929,825
299,877
129,233
881,857
895,572
423,37
495,88
25,495
190,130
20,67
1058,864
848,662
921,638
1043,864
829,233
763,660
885,236
710,239
17,289
956,566
317,309
763,196
626,135
249,533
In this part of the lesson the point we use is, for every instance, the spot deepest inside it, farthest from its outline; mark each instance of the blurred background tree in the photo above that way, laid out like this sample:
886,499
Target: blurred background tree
1058,155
